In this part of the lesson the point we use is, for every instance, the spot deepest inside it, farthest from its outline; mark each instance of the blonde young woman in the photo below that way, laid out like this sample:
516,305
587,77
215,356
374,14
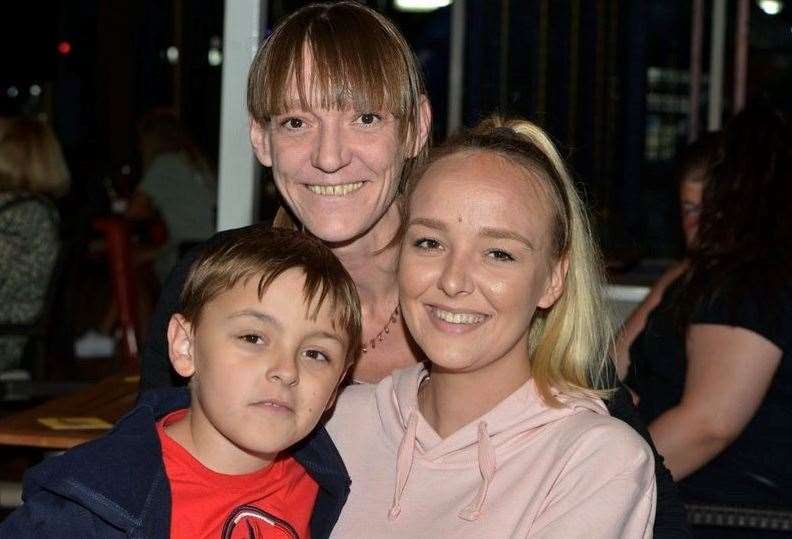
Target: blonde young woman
339,113
32,173
504,433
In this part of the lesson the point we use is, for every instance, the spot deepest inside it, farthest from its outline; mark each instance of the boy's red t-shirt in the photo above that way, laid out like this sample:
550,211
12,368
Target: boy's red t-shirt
275,502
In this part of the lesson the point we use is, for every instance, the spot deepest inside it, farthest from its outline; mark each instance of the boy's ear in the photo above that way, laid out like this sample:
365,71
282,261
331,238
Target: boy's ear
260,140
180,346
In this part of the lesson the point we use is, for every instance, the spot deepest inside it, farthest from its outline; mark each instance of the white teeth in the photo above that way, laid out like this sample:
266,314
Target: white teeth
335,190
457,318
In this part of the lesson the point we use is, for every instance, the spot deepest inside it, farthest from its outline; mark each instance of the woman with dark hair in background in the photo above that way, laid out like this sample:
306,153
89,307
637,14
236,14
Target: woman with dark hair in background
711,366
32,173
693,169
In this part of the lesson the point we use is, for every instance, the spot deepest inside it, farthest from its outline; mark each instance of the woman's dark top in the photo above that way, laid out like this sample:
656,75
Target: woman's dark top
756,468
29,245
670,518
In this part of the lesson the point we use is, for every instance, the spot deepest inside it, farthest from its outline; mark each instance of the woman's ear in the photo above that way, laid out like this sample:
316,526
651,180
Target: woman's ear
180,346
555,284
424,125
260,140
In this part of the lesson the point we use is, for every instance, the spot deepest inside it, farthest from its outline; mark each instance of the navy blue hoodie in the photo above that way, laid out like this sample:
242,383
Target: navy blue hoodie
116,486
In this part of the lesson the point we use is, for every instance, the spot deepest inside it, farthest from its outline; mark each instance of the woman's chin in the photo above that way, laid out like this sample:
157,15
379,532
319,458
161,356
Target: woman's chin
336,235
338,230
450,360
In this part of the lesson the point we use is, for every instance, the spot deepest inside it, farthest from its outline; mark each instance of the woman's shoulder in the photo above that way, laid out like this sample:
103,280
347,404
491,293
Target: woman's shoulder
603,440
751,304
29,210
167,170
363,407
171,160
355,412
25,200
355,394
402,385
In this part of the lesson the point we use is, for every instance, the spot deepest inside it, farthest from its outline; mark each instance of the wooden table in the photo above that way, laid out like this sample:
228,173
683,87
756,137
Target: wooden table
108,400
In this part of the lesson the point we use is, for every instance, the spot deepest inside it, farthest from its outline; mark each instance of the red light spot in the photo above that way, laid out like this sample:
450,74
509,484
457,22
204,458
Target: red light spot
64,48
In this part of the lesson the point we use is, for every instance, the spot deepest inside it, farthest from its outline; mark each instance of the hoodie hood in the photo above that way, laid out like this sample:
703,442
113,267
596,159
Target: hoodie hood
479,444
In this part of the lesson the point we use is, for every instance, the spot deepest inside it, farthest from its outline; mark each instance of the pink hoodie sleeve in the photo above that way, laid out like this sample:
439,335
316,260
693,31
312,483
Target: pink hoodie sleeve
606,489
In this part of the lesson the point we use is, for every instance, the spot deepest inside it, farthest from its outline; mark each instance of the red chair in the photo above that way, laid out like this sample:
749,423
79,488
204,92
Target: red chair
122,272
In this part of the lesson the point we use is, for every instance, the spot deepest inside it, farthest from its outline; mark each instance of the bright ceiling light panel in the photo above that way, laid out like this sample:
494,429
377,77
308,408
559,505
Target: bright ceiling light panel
771,7
420,5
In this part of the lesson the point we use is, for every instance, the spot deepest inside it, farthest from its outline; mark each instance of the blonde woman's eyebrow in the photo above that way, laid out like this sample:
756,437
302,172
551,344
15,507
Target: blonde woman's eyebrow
489,232
503,234
435,224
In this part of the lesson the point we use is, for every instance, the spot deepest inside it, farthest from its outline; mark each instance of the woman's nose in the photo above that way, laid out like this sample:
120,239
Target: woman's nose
455,278
283,370
330,152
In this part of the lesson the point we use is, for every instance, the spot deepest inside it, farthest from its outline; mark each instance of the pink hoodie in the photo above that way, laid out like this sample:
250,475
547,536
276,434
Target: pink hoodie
524,469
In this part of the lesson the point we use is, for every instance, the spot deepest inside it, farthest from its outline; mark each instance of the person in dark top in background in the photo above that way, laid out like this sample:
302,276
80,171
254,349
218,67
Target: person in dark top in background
711,366
338,110
693,168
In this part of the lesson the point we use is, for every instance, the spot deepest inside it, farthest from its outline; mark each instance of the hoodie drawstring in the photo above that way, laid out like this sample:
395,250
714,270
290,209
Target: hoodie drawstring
487,467
404,460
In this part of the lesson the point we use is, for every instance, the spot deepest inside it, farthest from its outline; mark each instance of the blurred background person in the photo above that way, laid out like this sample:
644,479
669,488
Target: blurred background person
171,209
32,174
177,187
709,364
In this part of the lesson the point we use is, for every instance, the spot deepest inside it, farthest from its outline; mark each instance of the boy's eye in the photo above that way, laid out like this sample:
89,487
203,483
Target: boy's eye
369,118
426,244
251,339
499,254
316,355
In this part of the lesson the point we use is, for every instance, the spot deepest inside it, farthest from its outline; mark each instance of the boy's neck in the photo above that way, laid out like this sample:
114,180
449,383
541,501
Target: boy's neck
213,450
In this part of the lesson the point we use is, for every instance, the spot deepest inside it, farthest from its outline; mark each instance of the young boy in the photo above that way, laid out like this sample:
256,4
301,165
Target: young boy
268,326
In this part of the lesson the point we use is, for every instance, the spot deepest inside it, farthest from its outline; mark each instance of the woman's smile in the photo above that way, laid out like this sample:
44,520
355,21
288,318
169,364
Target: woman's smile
337,190
455,321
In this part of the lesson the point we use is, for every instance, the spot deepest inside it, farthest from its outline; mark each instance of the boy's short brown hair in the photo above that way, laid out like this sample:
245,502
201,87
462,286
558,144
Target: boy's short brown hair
266,253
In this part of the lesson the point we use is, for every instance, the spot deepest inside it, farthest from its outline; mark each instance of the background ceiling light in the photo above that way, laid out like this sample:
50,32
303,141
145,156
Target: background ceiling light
172,55
420,5
771,7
